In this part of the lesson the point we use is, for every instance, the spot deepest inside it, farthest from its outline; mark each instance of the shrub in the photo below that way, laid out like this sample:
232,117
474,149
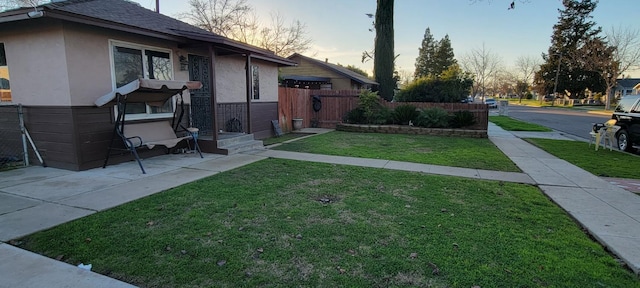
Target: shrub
355,116
369,111
462,119
405,113
435,117
452,86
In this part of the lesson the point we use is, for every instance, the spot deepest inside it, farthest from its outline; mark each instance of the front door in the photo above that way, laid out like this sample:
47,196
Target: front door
201,114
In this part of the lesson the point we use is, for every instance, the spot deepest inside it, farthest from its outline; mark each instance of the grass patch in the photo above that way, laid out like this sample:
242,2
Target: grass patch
510,124
600,163
283,138
448,151
321,225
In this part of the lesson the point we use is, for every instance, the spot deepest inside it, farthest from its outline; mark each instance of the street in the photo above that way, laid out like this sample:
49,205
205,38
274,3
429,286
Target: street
572,122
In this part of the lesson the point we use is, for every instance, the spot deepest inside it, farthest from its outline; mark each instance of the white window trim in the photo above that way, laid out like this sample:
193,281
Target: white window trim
145,66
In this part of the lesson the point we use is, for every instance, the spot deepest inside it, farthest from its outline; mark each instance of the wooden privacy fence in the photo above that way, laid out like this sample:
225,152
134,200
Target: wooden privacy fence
298,103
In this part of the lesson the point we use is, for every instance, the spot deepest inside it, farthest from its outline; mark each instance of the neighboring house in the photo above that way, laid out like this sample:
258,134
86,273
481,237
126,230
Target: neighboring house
64,55
626,86
315,74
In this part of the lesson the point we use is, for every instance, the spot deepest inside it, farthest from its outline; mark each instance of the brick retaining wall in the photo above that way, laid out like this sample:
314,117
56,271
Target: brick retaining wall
404,129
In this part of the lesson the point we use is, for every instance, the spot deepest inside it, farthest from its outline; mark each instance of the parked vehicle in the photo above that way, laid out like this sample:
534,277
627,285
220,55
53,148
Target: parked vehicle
491,103
627,116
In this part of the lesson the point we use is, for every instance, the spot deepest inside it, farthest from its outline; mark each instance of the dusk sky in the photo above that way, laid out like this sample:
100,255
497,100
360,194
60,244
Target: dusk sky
339,28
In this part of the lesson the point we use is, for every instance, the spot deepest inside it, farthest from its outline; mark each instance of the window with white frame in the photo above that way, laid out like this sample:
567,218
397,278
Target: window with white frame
131,62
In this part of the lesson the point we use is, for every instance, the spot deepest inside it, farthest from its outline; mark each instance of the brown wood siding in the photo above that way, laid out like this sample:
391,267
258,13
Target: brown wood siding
261,115
297,103
77,138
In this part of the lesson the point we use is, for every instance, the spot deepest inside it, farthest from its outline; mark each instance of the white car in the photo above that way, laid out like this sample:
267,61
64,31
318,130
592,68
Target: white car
491,103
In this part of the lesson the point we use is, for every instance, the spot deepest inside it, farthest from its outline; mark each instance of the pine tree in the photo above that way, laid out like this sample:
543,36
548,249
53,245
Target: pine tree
573,30
434,57
426,52
443,57
383,62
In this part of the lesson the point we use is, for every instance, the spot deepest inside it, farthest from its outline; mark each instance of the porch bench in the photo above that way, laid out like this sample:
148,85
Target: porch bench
151,134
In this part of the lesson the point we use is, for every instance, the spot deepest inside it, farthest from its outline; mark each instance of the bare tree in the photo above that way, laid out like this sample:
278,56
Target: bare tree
284,40
235,19
483,64
526,67
626,42
12,4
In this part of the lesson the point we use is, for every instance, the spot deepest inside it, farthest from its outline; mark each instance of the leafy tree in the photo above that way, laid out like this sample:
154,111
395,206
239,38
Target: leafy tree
426,53
563,61
452,86
237,20
444,57
383,62
521,89
357,70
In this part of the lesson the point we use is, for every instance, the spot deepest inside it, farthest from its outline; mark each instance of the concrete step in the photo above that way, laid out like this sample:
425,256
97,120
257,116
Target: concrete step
231,139
236,143
243,147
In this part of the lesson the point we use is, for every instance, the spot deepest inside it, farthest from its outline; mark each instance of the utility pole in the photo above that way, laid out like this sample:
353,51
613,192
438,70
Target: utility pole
157,6
555,84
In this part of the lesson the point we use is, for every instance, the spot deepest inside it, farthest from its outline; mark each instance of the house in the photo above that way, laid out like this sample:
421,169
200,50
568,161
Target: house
64,55
626,86
315,74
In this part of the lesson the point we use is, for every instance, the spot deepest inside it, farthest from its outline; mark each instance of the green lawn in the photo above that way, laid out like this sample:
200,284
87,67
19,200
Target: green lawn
449,151
510,124
600,163
281,223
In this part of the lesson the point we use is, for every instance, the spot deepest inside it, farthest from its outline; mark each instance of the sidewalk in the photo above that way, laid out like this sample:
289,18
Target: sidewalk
36,198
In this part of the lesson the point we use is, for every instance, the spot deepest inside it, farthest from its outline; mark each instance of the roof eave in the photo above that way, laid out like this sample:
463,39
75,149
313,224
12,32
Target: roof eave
281,62
60,15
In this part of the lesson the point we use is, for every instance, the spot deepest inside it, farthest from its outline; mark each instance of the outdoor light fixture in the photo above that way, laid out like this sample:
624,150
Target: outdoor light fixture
184,63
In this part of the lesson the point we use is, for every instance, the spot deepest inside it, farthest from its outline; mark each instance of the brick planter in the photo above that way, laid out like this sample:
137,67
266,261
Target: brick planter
404,129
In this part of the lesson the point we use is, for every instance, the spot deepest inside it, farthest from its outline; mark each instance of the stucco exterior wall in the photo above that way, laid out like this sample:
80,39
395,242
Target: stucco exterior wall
65,64
231,80
268,82
37,63
88,54
68,64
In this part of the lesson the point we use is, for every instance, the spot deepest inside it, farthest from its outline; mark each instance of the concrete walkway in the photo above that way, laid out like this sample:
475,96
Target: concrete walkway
36,198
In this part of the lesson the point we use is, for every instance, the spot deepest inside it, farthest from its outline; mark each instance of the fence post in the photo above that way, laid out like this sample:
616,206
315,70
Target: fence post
24,136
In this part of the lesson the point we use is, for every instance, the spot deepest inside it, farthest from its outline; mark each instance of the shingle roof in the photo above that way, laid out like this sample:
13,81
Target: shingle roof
628,82
124,12
338,69
129,16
